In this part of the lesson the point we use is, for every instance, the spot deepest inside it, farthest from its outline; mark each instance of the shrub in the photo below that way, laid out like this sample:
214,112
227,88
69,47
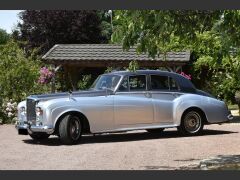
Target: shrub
18,76
133,66
85,82
9,109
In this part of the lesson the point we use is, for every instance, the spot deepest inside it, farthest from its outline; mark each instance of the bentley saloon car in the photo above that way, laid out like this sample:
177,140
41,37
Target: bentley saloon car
150,100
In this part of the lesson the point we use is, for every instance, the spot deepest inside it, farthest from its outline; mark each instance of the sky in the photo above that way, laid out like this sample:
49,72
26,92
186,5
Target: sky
9,19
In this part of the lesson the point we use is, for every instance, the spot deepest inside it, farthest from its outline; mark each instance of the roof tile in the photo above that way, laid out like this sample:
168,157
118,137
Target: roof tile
100,52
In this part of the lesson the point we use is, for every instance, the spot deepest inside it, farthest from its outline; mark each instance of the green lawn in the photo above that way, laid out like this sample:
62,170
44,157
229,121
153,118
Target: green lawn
233,107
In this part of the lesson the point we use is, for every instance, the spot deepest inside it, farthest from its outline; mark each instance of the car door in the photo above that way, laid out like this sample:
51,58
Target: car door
132,103
164,90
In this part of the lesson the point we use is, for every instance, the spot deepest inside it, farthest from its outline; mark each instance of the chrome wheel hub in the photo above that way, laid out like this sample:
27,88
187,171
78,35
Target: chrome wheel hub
75,128
192,122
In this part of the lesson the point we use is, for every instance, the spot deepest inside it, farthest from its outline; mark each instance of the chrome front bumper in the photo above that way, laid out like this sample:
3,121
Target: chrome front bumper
46,129
23,127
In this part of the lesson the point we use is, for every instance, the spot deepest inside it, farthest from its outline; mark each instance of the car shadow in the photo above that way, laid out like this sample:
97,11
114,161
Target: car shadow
187,160
124,137
236,119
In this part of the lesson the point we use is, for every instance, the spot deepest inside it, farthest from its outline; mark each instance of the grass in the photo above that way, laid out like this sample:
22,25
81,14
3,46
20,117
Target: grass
233,107
227,167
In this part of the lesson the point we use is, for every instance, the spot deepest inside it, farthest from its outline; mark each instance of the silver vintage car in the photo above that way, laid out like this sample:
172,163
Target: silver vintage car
122,101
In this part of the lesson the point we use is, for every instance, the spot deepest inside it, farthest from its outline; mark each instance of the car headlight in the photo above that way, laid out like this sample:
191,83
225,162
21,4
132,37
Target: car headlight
39,111
39,116
22,109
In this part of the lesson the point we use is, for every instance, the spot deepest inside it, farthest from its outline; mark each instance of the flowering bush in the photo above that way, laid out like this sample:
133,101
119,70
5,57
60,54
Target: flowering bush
9,108
46,75
188,76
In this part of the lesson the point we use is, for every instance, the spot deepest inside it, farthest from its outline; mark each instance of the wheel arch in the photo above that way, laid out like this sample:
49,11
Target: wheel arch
198,109
82,117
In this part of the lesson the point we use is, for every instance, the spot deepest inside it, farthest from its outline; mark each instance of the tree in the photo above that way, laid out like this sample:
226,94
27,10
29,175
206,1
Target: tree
221,55
4,37
157,32
45,28
18,79
106,25
212,36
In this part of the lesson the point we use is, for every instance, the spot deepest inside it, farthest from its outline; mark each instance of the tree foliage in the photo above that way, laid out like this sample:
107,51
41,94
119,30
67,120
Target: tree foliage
156,31
85,82
133,66
4,36
18,73
45,28
212,36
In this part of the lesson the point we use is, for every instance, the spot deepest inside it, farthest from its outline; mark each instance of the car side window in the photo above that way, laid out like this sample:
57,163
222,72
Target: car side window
163,83
159,82
173,84
137,83
124,85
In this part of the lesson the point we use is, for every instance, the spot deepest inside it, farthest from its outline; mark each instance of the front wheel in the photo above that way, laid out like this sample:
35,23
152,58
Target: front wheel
70,129
191,123
39,136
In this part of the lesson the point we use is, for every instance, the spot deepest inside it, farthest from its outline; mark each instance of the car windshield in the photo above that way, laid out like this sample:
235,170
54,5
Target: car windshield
106,81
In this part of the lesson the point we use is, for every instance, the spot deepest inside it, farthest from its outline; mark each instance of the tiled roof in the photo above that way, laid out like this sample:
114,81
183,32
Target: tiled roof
105,52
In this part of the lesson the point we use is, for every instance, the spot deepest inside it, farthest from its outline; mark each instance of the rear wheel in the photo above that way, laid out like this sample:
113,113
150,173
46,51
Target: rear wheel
39,136
70,129
155,131
192,123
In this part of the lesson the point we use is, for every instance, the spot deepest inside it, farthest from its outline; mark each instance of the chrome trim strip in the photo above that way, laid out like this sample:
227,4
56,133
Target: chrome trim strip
152,92
150,126
118,84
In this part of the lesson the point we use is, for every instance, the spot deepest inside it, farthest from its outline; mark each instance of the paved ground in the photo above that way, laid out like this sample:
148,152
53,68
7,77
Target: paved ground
133,150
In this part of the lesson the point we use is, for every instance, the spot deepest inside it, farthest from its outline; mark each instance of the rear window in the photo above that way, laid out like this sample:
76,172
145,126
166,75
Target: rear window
163,83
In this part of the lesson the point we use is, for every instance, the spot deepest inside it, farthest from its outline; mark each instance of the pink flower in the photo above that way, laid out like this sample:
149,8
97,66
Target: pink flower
45,75
188,76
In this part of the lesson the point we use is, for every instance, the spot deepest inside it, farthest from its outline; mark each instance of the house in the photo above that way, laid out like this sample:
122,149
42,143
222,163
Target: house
75,59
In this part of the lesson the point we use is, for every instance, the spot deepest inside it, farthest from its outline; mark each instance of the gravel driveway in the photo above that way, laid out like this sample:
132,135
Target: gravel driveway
132,150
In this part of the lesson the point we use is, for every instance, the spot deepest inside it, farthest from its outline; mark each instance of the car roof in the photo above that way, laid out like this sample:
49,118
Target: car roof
146,72
142,72
185,84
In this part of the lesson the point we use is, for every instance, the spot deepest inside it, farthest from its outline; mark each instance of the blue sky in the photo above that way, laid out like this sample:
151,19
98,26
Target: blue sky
9,19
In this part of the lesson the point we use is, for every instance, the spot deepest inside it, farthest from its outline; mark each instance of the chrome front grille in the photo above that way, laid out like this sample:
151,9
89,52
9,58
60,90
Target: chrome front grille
31,113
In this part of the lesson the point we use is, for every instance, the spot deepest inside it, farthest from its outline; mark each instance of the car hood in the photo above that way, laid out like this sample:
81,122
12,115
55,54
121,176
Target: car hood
89,93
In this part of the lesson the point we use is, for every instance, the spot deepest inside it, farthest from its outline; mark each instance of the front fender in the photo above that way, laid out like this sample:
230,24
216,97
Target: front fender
56,113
